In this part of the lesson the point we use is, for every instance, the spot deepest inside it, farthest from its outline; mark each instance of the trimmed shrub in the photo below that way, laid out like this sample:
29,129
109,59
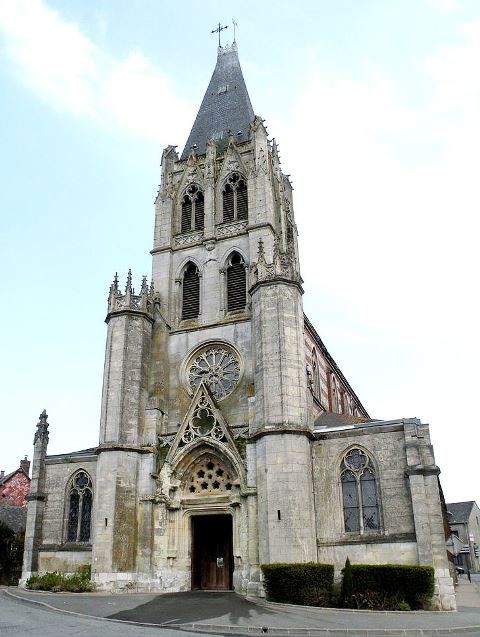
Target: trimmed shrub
347,583
56,582
389,586
309,584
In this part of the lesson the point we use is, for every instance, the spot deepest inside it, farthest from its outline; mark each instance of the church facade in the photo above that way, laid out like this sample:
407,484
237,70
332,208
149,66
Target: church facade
229,437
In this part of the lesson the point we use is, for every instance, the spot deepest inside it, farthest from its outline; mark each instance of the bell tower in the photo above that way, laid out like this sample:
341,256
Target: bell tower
227,195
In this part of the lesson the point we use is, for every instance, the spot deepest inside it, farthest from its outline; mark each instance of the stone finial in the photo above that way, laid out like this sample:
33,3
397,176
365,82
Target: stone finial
261,251
143,302
128,286
42,428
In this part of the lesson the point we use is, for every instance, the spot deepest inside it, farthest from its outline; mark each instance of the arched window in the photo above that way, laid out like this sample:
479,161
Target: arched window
193,209
80,498
191,292
359,492
315,375
235,198
236,283
334,397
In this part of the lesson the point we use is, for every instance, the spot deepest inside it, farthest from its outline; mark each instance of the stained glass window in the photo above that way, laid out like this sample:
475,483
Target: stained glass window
359,492
79,508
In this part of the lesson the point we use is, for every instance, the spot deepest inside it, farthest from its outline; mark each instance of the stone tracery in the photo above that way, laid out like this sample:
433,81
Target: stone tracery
208,476
217,367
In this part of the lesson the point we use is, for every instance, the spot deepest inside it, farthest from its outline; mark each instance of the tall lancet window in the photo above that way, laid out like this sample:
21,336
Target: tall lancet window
80,498
359,491
193,209
190,292
315,375
236,283
235,198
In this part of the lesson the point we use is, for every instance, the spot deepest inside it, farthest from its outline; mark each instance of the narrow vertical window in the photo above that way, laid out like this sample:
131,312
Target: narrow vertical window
199,211
316,375
242,200
368,490
228,205
235,198
191,293
80,498
186,214
193,209
351,510
236,284
359,492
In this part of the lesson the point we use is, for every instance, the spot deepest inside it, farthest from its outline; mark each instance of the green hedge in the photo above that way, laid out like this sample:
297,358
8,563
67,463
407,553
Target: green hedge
56,582
388,586
310,584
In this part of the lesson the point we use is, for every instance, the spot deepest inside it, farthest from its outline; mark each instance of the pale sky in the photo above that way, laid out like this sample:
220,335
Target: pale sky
375,106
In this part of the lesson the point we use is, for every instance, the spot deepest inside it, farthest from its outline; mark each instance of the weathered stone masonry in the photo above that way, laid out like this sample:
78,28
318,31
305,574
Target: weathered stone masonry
229,438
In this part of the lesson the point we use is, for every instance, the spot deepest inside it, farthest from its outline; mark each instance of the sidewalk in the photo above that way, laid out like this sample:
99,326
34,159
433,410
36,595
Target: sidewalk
229,613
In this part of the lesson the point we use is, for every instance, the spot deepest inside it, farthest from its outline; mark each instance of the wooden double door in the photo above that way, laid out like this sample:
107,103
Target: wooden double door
212,553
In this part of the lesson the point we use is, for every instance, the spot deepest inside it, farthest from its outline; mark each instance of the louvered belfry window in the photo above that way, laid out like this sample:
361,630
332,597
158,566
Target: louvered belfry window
199,204
236,284
191,293
228,204
235,198
193,209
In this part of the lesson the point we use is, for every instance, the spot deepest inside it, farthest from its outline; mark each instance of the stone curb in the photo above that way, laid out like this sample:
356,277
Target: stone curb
436,613
264,630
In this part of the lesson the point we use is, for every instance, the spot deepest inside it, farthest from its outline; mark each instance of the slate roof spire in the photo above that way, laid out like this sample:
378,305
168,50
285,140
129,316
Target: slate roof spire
226,108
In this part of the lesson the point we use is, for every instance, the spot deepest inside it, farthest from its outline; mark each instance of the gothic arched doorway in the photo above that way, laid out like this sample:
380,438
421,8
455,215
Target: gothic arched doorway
212,554
209,487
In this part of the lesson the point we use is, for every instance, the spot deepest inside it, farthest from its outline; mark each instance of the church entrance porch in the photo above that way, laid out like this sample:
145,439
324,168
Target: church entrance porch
212,552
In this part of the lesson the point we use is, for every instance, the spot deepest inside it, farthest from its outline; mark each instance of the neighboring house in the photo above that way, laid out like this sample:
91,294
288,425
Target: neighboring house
14,517
15,485
464,519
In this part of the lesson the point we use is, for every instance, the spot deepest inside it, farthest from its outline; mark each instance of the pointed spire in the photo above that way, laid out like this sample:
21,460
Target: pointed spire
225,108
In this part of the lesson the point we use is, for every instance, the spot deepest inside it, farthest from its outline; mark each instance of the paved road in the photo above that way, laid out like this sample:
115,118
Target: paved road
20,619
220,613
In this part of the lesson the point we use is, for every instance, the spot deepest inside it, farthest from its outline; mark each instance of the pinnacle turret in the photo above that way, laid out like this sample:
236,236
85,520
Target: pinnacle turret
143,302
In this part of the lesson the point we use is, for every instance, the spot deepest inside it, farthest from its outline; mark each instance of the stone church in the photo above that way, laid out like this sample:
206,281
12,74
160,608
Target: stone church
229,437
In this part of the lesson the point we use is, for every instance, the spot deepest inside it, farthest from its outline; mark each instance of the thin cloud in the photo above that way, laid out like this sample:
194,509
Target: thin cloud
62,66
394,189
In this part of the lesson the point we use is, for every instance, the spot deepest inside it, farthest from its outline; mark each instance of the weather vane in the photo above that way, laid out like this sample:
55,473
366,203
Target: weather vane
235,25
218,30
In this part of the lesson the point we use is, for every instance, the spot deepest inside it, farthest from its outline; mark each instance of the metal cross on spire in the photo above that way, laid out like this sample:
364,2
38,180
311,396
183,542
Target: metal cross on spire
218,30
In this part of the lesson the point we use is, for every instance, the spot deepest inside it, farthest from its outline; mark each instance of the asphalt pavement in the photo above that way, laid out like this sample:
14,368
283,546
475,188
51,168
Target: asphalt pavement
229,613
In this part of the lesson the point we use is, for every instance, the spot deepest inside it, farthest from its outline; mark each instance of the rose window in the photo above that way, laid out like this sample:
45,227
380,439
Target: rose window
210,476
218,368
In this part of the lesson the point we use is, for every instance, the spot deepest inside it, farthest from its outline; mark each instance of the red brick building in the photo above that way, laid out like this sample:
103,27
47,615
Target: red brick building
14,486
